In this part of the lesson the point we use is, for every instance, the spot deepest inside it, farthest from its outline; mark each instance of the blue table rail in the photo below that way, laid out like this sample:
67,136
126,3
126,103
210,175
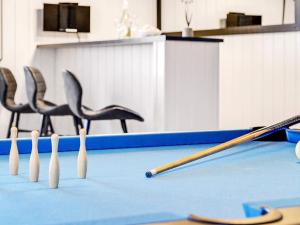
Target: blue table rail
100,142
254,209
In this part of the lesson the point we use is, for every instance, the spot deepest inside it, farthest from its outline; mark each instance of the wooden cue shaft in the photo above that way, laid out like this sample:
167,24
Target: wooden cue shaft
207,152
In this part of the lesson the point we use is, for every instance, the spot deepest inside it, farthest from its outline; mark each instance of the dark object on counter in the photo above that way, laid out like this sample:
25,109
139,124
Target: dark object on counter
233,18
66,17
240,19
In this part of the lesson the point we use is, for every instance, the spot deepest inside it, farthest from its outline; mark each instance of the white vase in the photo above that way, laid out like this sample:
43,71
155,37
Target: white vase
187,32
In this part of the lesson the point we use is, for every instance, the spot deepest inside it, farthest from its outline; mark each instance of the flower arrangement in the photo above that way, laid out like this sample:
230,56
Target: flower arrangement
188,14
125,22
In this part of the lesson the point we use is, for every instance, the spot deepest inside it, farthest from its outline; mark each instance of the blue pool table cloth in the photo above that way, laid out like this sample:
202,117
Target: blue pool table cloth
117,192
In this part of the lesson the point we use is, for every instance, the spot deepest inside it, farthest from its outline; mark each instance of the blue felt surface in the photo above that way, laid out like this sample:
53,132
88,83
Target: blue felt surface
116,191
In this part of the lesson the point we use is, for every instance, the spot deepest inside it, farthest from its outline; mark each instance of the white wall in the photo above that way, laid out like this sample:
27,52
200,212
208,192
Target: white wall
18,47
22,30
104,14
261,91
259,73
207,13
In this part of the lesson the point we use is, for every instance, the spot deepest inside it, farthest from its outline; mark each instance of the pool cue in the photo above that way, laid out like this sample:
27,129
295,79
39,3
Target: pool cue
236,141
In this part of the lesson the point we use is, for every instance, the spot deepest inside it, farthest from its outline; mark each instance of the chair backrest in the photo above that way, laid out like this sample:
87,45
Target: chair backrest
8,87
35,86
73,92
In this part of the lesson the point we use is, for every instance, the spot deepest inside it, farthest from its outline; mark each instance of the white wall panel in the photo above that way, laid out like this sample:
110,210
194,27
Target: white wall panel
259,75
104,14
107,77
207,13
174,85
192,86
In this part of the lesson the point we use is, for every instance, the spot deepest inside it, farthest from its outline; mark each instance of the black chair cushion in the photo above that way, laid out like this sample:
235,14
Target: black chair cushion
51,109
20,108
112,113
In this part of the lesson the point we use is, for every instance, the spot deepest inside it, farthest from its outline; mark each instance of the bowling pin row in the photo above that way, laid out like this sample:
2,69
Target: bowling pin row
34,162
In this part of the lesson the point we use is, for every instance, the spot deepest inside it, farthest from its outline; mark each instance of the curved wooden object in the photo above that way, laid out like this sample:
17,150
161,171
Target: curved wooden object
271,217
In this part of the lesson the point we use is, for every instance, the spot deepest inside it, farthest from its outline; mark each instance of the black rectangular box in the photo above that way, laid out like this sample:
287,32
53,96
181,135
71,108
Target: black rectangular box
240,19
249,20
59,17
67,16
51,17
232,19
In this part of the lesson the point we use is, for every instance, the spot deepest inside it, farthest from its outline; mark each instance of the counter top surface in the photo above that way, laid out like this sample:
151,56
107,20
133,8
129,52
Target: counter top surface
243,30
131,41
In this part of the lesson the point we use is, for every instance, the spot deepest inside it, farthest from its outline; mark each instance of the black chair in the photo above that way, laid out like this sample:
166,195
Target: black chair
73,92
36,88
8,87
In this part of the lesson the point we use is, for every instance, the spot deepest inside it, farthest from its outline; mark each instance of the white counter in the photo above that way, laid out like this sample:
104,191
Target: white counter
172,82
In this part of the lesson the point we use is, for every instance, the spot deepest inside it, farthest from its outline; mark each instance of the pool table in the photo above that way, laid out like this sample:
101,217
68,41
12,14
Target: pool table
116,190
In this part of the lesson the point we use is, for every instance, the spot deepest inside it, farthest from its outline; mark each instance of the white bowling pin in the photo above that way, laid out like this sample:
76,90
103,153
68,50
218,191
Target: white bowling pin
82,156
54,163
34,162
14,153
297,150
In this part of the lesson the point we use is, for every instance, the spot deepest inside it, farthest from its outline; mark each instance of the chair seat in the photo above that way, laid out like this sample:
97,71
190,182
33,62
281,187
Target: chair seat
51,109
113,112
19,108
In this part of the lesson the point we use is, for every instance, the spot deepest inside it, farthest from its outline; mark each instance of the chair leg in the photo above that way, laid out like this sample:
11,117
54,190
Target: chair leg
88,126
12,117
124,126
50,125
18,120
76,124
42,130
46,126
